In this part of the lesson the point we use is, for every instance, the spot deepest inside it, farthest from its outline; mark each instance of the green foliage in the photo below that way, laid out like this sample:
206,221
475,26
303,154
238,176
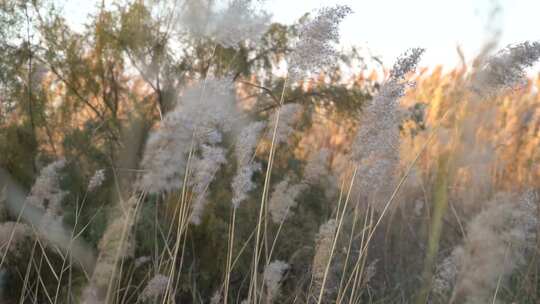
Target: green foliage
17,149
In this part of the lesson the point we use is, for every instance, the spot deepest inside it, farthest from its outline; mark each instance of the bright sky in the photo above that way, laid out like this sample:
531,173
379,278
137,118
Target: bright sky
388,27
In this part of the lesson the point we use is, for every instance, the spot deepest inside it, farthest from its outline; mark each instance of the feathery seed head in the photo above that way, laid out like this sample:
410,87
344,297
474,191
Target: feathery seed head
246,142
204,171
316,167
283,199
314,50
376,147
496,244
207,110
406,63
323,254
239,21
46,193
273,274
245,146
11,234
97,179
506,69
155,287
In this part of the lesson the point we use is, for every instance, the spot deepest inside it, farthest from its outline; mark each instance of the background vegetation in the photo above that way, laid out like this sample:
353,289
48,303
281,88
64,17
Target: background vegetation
155,157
